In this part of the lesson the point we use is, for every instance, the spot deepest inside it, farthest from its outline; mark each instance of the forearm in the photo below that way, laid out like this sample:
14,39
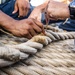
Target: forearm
5,20
66,11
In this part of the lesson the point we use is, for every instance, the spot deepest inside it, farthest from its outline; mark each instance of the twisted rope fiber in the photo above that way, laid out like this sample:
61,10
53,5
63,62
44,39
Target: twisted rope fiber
46,65
19,52
36,63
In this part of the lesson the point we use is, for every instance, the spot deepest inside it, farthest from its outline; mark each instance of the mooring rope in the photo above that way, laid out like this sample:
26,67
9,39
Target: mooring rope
15,53
54,59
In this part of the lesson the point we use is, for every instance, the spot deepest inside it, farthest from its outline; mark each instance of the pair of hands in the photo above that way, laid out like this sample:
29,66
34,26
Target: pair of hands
31,27
53,10
57,10
27,27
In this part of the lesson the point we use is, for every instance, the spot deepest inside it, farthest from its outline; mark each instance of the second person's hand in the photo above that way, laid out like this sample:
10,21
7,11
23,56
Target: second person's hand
57,10
21,6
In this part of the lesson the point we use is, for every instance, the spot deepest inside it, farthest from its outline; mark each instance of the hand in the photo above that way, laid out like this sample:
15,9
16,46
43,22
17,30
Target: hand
25,28
37,12
22,6
57,10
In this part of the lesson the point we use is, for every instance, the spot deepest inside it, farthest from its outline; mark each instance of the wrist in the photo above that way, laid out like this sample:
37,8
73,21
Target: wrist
72,9
6,22
9,25
64,13
67,12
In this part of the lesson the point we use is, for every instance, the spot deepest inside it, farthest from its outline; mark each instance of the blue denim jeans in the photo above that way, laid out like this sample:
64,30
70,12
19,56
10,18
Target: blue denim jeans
69,25
8,8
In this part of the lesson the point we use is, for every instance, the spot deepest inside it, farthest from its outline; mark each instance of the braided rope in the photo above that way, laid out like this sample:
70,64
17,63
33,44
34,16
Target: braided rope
41,63
18,52
45,65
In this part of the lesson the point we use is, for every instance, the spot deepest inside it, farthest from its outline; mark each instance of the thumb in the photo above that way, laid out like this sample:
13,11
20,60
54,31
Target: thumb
39,17
35,16
15,9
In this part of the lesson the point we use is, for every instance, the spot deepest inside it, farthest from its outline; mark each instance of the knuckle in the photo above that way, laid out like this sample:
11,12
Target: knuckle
29,28
28,8
26,32
25,7
41,25
39,30
31,22
21,15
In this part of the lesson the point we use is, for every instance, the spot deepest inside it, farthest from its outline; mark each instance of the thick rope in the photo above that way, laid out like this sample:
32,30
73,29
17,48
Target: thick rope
61,63
18,52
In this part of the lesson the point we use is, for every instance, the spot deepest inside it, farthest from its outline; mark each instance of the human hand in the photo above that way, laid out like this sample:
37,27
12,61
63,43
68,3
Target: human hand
25,28
22,6
37,12
57,10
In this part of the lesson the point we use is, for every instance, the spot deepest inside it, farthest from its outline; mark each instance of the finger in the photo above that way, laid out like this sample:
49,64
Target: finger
29,36
27,9
41,26
32,32
26,34
15,9
43,30
21,12
26,12
51,17
39,17
37,28
38,23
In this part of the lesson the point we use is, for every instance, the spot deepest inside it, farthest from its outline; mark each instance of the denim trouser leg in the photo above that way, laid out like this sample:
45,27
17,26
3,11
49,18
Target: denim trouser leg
8,8
69,25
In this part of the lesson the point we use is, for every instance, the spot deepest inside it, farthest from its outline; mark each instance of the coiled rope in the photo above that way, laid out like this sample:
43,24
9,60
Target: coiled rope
10,54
